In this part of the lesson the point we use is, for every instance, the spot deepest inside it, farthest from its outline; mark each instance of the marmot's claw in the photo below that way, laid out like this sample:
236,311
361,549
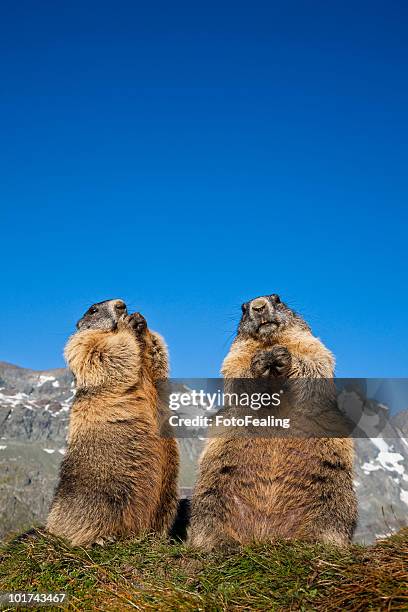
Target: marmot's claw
137,322
276,362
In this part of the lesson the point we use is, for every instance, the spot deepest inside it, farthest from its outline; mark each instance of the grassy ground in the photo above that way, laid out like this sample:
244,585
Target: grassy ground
150,574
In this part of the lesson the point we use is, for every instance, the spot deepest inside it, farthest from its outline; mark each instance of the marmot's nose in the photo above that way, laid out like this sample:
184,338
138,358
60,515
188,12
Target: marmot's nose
119,305
259,304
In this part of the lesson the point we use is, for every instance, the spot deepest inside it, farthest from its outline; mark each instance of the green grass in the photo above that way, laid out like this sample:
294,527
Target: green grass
151,574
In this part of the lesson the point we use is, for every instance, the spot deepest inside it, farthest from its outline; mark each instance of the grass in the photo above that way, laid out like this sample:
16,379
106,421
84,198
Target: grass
151,574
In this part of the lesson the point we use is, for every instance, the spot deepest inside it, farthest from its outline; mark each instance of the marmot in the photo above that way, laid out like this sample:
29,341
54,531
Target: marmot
119,475
259,489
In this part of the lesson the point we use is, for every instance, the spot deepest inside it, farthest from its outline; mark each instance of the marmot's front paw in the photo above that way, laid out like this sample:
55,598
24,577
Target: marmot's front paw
135,321
276,362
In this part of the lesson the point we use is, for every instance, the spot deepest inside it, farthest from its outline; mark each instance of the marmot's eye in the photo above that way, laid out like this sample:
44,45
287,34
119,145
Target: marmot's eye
92,310
120,307
244,308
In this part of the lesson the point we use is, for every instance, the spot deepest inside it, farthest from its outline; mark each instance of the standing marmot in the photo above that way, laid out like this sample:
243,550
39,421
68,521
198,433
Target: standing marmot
260,489
119,476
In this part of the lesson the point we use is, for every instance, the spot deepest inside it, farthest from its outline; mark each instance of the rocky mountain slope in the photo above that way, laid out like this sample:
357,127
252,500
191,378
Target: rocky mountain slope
34,410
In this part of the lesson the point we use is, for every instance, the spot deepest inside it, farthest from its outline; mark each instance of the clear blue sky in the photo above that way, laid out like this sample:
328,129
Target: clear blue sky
189,156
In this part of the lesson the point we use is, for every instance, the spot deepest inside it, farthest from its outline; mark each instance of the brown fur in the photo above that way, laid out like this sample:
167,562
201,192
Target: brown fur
259,489
119,476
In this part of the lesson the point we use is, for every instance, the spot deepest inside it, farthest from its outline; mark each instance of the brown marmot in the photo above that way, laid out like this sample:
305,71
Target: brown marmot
119,475
260,489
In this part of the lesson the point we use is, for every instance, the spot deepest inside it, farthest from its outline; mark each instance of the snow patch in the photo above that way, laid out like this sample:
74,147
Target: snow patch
404,496
14,400
368,467
382,536
43,379
50,451
386,458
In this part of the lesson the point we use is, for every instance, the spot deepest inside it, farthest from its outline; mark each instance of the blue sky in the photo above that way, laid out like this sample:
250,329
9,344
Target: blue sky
189,157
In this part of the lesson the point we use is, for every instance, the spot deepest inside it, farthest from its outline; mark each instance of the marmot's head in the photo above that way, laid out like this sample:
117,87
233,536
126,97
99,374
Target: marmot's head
265,317
110,315
103,315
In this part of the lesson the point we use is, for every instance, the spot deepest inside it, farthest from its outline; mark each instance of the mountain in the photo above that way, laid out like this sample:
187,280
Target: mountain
34,412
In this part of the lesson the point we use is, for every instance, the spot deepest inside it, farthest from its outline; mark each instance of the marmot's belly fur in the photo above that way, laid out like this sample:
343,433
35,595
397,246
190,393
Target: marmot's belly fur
264,489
